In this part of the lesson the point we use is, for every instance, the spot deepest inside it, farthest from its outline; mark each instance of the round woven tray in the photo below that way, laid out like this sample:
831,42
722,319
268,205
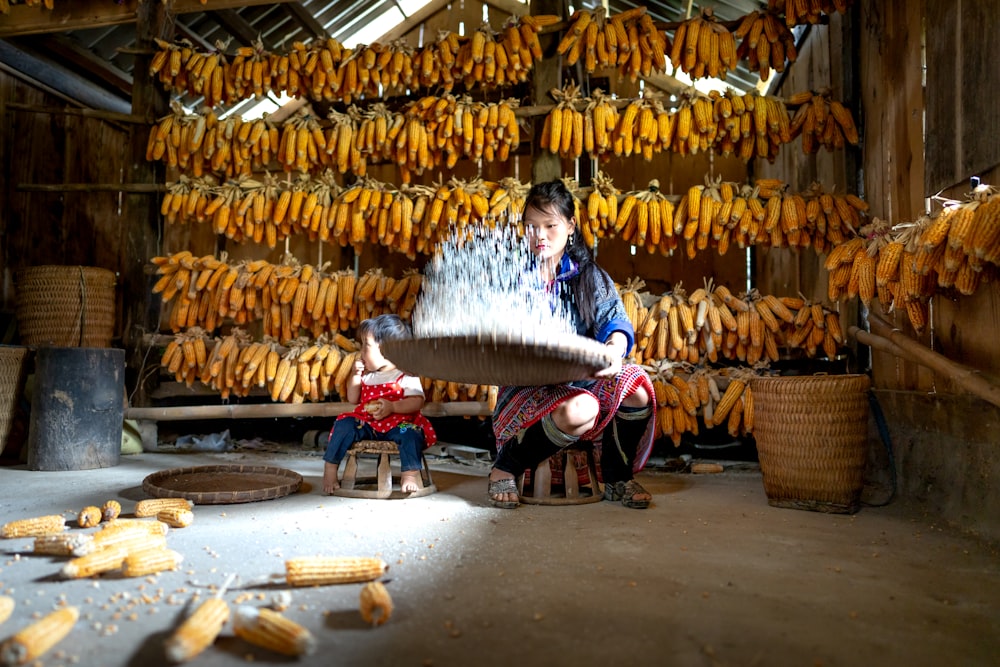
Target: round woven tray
812,439
500,360
65,306
223,484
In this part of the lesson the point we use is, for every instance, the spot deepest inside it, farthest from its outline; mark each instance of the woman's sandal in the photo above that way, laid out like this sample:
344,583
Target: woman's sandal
626,493
500,487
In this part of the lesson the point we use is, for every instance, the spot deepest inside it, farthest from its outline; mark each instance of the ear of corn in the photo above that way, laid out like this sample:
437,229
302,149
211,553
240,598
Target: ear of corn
150,506
130,539
272,630
33,641
176,517
150,561
375,603
7,605
111,510
149,527
198,631
41,525
64,544
89,516
320,570
96,562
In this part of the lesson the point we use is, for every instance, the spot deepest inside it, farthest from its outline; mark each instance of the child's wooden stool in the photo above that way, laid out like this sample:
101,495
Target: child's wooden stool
384,485
575,459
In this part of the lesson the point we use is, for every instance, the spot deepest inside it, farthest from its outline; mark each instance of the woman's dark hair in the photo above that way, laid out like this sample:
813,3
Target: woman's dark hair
555,197
384,327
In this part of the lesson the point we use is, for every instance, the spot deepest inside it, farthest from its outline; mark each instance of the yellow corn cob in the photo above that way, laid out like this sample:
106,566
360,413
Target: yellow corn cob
130,539
64,544
176,517
42,525
728,400
96,562
272,630
375,603
6,608
151,506
111,510
89,516
198,630
124,525
320,570
150,561
30,643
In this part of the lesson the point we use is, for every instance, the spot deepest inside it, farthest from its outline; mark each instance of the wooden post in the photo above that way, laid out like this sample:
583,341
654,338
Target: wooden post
546,166
141,313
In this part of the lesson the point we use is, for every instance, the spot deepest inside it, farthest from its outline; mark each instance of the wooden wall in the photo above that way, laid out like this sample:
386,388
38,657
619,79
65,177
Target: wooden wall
51,149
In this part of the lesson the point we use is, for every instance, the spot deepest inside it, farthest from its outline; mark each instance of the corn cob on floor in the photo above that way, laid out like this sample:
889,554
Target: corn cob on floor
709,575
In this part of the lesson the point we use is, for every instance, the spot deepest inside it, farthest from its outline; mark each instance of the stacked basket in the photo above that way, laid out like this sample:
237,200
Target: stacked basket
12,369
812,437
65,306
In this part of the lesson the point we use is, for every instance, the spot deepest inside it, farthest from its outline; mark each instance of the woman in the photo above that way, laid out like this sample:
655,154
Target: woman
533,423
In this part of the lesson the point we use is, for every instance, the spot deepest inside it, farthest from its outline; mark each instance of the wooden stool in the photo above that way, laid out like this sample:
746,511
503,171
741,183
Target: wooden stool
382,485
572,493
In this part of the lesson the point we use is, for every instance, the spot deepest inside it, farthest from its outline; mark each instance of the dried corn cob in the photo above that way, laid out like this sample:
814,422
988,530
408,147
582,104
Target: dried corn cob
89,516
198,630
129,538
33,641
271,630
150,527
175,517
64,544
111,510
150,506
6,607
150,561
42,525
96,562
375,603
320,570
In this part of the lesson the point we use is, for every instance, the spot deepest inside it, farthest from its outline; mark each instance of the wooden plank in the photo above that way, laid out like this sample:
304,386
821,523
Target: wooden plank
235,25
86,14
414,20
305,19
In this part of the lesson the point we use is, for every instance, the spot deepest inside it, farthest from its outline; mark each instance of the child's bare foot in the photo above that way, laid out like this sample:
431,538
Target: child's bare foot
409,481
330,481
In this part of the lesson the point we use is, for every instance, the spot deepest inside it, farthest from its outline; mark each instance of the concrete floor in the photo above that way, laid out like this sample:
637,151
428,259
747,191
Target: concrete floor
709,575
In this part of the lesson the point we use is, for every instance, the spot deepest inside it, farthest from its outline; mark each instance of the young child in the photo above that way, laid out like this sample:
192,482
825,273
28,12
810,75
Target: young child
388,407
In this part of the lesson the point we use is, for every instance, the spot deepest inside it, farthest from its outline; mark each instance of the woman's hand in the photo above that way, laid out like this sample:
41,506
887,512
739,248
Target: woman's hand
610,371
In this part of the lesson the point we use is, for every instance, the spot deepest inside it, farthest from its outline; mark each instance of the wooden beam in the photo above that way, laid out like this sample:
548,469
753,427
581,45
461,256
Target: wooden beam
70,50
278,410
86,14
511,7
305,19
53,75
235,25
414,20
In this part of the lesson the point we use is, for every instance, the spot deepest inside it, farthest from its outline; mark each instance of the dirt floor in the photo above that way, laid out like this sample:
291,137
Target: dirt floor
709,575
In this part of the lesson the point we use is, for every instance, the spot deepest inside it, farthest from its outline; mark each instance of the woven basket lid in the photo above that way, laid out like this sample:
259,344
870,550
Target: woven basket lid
222,484
500,359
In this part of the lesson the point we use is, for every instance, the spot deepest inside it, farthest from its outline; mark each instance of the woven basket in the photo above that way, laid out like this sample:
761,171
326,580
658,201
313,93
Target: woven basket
65,306
812,434
11,385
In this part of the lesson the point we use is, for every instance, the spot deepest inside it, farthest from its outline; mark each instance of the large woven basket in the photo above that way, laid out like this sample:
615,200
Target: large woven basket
12,369
812,434
65,306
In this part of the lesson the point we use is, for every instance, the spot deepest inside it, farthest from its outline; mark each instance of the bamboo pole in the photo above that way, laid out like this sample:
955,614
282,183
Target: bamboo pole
895,342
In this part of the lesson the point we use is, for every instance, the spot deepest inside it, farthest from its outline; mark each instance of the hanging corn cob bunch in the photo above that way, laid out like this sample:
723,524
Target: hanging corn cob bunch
703,46
807,11
601,209
562,129
302,143
735,405
767,43
645,219
250,71
822,121
628,41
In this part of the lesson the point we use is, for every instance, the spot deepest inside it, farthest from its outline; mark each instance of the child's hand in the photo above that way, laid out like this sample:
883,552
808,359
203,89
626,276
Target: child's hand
380,408
359,368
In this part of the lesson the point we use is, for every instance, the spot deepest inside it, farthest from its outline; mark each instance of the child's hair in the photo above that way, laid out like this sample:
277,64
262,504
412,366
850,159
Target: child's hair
555,197
383,328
